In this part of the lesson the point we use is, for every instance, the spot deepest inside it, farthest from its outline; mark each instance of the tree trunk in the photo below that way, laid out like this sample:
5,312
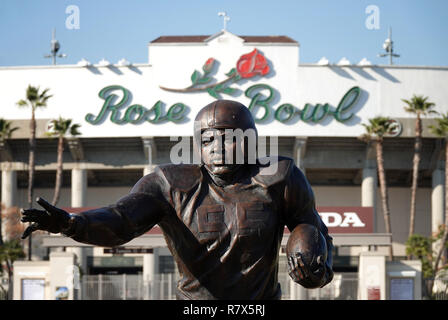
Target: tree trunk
59,171
383,189
31,164
445,234
416,162
2,207
31,160
10,279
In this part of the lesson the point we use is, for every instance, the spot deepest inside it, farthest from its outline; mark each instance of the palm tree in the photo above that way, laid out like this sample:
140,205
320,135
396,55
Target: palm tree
6,130
375,131
441,130
419,106
5,134
34,99
60,128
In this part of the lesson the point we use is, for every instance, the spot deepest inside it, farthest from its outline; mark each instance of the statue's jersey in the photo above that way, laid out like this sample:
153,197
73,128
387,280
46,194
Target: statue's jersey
225,239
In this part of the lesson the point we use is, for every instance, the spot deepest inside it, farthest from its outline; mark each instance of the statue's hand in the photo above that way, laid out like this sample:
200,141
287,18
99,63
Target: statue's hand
309,275
51,219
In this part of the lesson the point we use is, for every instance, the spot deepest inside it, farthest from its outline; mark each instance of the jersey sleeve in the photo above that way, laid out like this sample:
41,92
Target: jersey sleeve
299,200
300,204
129,217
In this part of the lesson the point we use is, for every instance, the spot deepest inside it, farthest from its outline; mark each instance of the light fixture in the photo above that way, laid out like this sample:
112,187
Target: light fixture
104,63
55,46
323,62
364,62
343,62
123,63
388,46
83,63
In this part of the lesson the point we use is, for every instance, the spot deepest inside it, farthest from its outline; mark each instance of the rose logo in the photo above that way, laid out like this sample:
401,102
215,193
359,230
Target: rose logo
251,64
248,65
208,65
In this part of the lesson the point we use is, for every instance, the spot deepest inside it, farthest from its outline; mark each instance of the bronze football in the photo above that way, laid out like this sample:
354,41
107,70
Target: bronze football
309,242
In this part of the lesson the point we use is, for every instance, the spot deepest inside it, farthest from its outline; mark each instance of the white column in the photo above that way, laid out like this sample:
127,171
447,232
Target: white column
437,204
437,199
150,264
9,192
372,276
79,199
79,187
62,273
150,269
149,148
368,191
9,188
297,292
299,152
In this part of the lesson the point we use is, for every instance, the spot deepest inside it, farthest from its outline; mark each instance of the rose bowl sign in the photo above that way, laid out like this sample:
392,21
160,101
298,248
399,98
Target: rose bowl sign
347,219
250,67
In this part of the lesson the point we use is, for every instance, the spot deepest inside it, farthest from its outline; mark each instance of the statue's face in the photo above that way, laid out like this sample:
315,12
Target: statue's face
219,153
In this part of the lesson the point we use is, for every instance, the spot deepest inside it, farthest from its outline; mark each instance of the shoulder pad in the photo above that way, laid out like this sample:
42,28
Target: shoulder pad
273,170
180,176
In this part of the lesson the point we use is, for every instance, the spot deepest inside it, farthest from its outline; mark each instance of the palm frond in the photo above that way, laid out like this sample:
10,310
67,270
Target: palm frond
378,127
5,129
74,129
418,105
22,103
441,129
34,98
61,126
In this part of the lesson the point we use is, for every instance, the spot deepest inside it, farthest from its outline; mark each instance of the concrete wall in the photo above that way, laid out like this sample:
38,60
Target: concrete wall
96,197
31,270
57,272
404,270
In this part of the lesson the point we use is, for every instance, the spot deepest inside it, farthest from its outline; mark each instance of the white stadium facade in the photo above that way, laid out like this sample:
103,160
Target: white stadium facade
133,116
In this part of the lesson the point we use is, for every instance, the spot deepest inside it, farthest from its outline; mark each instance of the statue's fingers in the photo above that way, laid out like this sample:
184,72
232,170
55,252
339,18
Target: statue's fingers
28,219
33,227
294,272
291,263
50,208
44,204
291,267
33,213
301,265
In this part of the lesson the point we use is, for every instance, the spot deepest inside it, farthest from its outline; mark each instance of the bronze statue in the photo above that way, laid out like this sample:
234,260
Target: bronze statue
223,221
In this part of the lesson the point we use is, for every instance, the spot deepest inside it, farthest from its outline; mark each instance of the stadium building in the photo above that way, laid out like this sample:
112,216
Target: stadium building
136,116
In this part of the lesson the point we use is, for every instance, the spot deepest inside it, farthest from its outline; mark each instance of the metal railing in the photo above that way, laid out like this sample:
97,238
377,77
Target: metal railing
128,287
342,287
162,287
435,289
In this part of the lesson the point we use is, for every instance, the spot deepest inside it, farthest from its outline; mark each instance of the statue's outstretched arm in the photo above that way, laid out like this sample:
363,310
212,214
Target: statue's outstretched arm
115,225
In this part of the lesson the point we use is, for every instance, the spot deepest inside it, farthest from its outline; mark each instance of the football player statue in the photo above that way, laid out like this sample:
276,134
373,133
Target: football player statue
223,221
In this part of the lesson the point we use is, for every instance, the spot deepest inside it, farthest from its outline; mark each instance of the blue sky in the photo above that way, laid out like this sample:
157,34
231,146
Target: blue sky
113,29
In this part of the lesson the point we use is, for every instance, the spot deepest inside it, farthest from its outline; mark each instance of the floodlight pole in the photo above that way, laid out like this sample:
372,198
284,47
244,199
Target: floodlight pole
55,46
225,18
389,47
